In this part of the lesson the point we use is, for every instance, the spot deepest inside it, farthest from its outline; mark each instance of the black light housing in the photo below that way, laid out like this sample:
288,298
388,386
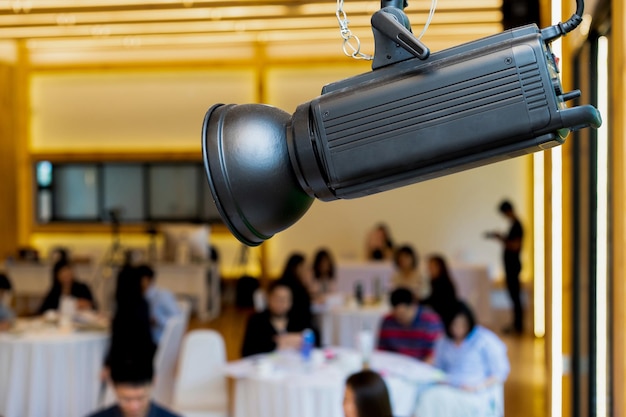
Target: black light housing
415,117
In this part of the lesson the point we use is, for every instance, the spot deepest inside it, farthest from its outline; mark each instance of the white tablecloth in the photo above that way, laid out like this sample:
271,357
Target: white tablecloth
341,325
295,390
46,373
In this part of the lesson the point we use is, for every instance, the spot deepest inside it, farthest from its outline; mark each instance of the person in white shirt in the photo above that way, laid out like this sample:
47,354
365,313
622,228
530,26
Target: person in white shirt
162,302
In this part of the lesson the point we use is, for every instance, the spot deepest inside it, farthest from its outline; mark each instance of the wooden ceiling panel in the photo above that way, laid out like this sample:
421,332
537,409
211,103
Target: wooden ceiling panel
62,30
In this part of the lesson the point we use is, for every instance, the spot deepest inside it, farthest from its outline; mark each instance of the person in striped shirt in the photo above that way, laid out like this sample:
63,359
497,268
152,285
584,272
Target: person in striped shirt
411,329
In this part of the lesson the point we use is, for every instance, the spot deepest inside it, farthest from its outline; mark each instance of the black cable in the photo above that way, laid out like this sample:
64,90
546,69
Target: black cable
561,29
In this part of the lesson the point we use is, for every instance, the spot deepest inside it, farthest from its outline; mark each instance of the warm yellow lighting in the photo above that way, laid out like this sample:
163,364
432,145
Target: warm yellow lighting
149,23
602,233
539,287
65,19
99,4
158,15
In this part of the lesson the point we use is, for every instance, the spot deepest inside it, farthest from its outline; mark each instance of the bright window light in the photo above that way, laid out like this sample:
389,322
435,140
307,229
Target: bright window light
539,274
602,231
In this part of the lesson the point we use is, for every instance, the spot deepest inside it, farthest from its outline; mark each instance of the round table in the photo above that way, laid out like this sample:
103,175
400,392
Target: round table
47,372
281,385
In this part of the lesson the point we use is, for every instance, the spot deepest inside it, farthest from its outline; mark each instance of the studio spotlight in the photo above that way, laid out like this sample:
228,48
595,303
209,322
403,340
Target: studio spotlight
414,117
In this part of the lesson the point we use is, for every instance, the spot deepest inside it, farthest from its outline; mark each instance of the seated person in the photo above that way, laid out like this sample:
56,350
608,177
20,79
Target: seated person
442,296
6,314
162,302
297,275
274,328
472,356
64,284
366,395
324,281
131,330
410,329
407,273
379,246
132,384
475,363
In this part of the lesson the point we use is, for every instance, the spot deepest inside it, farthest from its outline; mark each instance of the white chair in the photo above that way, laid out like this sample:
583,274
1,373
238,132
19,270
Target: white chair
201,389
165,360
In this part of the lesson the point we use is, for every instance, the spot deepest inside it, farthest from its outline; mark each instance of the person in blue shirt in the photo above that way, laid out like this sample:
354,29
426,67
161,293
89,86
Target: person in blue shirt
132,384
162,302
6,314
476,365
472,356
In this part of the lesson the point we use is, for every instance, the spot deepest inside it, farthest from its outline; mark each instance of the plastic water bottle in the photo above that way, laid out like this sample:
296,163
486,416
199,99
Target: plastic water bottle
358,293
308,342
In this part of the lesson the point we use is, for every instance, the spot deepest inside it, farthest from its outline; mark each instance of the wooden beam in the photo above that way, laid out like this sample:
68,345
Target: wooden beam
25,184
618,193
8,185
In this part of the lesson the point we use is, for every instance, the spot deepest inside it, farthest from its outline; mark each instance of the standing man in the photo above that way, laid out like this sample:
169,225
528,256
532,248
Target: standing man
512,245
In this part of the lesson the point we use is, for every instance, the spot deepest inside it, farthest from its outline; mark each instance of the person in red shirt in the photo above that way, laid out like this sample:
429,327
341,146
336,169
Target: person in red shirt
411,329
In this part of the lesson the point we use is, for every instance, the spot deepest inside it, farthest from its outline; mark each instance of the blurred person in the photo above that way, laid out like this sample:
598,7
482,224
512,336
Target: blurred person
379,246
366,395
161,301
472,356
131,330
411,329
442,296
65,284
273,328
407,273
476,366
7,316
323,275
298,276
132,384
512,246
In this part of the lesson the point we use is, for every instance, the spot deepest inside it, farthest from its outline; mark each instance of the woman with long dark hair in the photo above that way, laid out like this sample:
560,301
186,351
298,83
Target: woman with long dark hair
131,337
366,395
65,284
297,276
442,296
323,275
272,328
